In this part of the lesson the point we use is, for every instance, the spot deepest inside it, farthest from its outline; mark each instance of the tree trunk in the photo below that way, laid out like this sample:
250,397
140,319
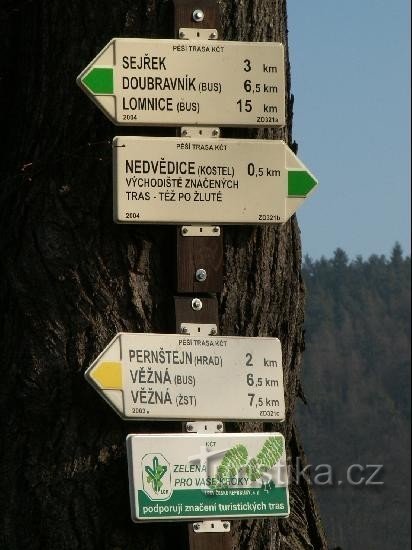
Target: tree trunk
72,279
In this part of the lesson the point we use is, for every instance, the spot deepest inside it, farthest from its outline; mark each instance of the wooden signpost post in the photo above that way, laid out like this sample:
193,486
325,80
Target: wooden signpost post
198,182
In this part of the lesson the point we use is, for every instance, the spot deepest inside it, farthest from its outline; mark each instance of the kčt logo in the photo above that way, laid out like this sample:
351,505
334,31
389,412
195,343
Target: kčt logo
156,476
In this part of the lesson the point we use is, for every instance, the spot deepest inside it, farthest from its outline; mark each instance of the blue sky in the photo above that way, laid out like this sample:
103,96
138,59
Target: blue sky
351,80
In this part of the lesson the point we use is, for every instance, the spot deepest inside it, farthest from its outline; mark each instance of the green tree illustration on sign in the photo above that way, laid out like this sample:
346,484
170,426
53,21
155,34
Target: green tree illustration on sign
236,459
232,462
155,474
268,456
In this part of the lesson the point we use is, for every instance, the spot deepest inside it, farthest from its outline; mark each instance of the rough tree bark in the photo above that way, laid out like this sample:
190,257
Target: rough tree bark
71,279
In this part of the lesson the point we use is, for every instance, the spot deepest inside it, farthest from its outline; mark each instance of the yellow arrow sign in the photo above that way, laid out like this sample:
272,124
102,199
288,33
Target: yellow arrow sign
108,375
168,377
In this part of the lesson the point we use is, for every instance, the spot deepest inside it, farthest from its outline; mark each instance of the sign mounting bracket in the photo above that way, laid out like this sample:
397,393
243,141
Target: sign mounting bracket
200,131
204,427
194,329
214,526
197,230
198,34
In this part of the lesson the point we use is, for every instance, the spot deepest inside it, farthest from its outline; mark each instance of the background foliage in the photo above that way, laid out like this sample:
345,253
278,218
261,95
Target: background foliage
357,387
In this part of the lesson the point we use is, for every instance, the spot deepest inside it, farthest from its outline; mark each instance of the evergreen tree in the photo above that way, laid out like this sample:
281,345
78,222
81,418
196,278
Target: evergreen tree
357,380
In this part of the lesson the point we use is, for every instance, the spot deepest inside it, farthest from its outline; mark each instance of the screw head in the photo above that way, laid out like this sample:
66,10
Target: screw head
184,330
201,275
213,35
184,230
215,132
219,427
184,133
197,304
189,427
213,332
225,525
196,526
181,34
198,16
216,229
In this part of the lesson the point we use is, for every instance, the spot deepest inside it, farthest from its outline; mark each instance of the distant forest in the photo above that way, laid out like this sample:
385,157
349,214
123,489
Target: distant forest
357,376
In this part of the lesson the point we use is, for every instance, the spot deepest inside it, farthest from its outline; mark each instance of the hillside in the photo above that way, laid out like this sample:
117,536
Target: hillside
357,388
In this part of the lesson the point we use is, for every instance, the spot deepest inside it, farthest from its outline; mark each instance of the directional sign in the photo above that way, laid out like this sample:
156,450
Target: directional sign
138,81
186,180
197,476
172,376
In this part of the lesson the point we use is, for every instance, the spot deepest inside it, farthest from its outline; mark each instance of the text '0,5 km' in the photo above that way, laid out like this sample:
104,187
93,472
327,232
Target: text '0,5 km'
178,82
172,376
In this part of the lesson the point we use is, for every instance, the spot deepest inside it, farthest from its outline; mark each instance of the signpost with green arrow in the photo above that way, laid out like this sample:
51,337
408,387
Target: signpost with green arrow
137,81
207,180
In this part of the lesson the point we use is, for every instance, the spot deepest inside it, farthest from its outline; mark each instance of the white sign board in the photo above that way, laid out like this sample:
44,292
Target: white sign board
137,81
173,376
189,180
198,476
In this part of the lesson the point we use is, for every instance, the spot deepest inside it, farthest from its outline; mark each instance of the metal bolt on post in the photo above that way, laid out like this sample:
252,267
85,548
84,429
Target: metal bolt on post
198,15
201,275
197,304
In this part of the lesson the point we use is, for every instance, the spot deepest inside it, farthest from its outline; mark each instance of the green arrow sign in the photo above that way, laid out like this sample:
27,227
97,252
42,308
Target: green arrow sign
99,80
207,180
141,82
300,183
